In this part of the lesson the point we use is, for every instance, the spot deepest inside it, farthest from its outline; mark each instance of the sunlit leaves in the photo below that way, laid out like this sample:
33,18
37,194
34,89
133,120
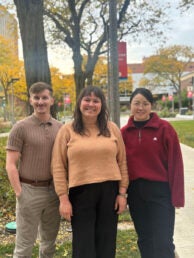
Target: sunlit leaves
5,51
167,67
63,84
170,61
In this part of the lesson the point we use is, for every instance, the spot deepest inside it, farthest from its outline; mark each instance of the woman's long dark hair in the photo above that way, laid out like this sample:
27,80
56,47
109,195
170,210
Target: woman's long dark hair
102,118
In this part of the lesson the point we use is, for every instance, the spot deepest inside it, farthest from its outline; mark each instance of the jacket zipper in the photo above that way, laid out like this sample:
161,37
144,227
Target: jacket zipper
139,136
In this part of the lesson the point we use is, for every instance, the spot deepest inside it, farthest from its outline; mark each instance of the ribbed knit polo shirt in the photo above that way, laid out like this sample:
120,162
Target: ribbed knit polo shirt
34,140
86,159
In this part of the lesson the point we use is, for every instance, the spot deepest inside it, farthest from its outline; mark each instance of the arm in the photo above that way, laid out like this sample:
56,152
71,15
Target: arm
175,170
12,158
59,163
121,200
65,207
60,170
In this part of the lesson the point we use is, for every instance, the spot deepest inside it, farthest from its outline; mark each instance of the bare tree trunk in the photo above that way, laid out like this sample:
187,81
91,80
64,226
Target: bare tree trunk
30,16
79,75
79,82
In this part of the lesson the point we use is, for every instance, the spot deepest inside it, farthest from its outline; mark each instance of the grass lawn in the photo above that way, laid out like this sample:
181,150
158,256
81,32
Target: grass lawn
126,247
126,241
185,131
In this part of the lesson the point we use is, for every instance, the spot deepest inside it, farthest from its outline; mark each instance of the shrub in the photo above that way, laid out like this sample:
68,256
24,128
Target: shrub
124,108
165,113
5,127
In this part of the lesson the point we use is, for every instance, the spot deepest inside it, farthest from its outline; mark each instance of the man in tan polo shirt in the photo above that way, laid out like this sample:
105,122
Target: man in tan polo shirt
28,161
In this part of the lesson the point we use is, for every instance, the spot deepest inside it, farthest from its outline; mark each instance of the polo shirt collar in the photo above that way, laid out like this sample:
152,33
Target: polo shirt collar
37,121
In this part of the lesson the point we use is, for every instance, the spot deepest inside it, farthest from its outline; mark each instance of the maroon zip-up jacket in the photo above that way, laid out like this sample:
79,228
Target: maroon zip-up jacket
153,153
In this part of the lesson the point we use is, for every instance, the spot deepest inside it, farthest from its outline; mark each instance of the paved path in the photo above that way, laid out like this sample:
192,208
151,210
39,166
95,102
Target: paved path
4,134
184,225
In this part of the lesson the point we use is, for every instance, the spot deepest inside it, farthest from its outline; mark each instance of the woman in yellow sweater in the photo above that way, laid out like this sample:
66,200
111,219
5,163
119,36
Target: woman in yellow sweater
90,176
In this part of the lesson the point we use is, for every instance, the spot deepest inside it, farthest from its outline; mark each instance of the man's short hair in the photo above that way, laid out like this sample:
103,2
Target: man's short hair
39,87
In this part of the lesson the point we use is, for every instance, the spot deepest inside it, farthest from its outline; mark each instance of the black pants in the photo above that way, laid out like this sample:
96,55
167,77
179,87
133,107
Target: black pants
94,221
153,216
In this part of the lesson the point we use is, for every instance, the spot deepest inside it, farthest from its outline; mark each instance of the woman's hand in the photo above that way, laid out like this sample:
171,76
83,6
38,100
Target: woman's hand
120,204
65,207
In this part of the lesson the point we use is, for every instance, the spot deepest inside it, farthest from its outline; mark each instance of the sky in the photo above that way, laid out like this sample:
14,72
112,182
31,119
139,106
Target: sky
182,33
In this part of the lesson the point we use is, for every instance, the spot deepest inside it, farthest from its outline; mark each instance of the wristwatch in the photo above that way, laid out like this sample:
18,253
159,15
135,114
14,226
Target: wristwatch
125,195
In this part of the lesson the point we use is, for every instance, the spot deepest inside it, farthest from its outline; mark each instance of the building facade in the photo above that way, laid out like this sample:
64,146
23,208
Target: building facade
9,29
138,74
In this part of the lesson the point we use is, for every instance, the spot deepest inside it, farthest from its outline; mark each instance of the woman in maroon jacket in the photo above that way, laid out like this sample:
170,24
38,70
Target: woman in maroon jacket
155,168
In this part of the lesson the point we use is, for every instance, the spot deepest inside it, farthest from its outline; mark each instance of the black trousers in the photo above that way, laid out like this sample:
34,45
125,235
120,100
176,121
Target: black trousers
94,221
153,216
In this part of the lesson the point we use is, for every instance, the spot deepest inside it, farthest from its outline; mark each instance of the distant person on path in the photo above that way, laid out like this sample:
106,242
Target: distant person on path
28,165
90,176
155,168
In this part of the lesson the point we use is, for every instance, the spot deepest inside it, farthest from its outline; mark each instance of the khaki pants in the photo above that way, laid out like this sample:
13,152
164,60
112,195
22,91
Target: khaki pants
37,213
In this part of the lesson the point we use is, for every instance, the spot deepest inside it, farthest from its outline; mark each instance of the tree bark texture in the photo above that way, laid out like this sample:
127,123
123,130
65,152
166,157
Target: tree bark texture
30,16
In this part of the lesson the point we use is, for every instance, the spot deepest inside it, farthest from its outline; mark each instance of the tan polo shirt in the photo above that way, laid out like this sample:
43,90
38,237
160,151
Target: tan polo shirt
34,140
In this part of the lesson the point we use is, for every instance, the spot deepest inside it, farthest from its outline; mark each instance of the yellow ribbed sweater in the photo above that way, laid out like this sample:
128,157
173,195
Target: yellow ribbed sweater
79,160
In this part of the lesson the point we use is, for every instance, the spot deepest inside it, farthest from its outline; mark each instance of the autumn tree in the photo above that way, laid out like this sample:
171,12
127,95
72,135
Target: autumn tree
63,84
167,67
20,87
76,25
30,16
83,26
100,77
10,67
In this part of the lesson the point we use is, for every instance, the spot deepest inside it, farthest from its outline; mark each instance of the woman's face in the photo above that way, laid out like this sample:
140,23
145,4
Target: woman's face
90,106
140,108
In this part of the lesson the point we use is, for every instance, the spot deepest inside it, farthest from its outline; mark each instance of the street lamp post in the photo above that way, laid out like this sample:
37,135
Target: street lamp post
113,64
11,82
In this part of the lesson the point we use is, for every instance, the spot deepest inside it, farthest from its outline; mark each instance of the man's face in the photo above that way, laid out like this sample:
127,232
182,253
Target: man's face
41,102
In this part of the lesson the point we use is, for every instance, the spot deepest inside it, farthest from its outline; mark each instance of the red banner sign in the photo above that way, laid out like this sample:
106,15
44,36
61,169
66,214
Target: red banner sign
189,94
67,99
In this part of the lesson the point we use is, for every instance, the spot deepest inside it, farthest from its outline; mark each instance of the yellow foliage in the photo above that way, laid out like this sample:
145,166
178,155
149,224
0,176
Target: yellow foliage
11,67
100,73
100,77
171,60
62,85
6,55
127,85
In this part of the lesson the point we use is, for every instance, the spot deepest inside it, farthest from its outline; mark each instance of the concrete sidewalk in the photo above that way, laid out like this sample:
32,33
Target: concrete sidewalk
4,134
184,224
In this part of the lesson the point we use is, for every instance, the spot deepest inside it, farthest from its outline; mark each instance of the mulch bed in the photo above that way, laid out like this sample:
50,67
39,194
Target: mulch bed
9,238
64,233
